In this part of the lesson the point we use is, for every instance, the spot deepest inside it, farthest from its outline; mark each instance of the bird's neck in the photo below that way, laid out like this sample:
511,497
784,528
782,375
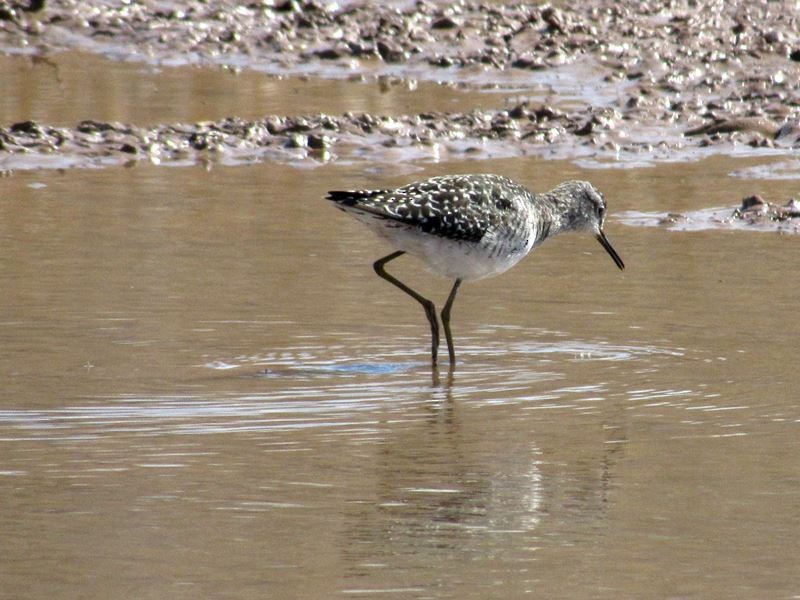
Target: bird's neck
548,215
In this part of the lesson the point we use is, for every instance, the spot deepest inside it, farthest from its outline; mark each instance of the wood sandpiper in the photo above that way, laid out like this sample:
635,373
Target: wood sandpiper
467,227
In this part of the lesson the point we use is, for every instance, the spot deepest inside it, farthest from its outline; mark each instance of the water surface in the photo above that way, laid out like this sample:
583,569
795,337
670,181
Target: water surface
208,393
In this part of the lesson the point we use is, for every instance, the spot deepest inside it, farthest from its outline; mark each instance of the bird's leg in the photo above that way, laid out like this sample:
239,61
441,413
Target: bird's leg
446,322
430,309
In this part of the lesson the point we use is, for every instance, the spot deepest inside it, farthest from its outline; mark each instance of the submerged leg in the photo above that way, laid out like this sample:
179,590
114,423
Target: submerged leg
446,322
430,309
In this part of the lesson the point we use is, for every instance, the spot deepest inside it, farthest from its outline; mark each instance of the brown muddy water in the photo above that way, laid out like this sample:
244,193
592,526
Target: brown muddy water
64,88
207,393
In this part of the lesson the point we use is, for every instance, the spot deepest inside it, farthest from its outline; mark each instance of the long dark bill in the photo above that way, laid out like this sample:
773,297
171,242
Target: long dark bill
601,237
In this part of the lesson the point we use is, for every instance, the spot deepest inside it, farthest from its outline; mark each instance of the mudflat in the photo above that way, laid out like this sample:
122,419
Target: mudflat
654,80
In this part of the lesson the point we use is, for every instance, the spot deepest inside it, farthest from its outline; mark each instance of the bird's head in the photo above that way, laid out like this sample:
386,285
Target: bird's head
584,209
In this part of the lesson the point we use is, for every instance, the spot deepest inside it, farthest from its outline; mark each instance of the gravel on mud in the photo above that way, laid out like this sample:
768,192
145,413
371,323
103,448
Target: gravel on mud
754,213
525,127
755,210
683,75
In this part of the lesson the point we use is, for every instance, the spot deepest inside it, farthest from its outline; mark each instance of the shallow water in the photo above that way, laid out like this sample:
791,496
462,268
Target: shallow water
208,393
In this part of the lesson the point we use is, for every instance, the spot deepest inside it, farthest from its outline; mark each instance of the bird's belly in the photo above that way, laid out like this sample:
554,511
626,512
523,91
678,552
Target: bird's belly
457,259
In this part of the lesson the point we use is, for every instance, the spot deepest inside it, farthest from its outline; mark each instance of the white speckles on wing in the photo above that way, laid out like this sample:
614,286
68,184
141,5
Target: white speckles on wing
454,207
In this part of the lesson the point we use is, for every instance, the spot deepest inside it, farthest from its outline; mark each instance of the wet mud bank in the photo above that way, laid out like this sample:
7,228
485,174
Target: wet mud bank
527,128
754,213
669,80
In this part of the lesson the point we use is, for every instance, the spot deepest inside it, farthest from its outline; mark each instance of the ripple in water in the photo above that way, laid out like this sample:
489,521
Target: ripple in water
359,390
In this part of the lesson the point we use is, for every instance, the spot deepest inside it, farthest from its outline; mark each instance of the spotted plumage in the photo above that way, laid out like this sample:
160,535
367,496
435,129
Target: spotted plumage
467,227
452,207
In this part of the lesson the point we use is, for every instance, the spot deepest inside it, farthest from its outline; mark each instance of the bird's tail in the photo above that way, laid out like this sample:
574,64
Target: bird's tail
353,197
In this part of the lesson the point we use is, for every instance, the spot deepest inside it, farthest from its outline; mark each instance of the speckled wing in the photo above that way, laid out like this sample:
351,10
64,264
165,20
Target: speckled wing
453,207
